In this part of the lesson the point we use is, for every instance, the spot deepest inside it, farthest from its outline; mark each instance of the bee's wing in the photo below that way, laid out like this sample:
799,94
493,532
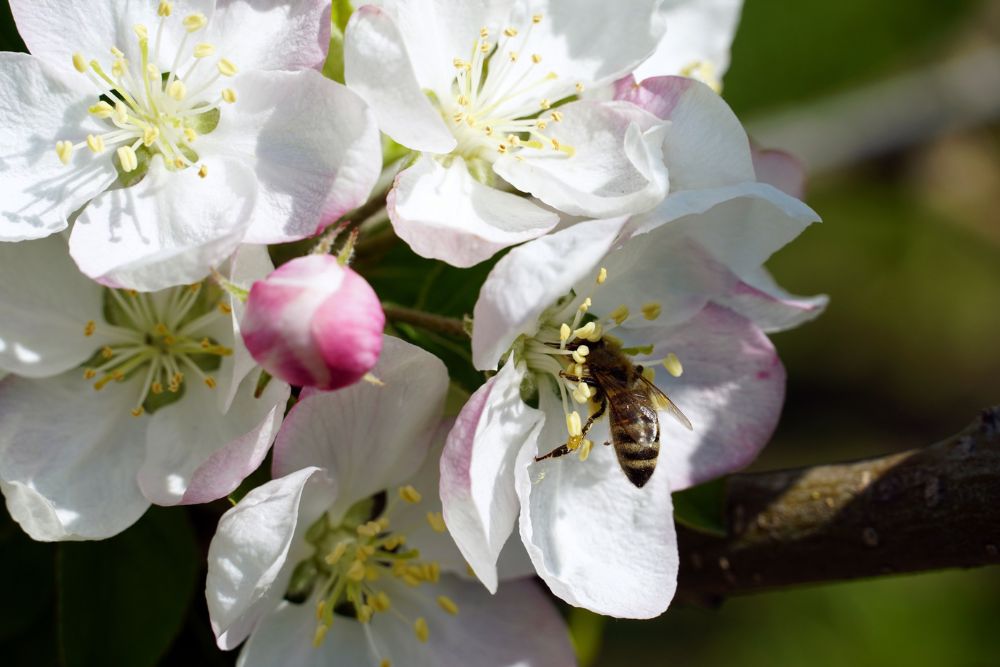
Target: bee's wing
663,402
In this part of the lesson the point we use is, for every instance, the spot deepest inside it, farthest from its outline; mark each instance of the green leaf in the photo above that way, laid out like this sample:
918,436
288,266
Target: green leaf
586,630
702,507
123,600
333,68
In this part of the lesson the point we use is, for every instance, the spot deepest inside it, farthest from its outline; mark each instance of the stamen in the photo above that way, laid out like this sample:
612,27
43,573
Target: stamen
227,68
79,63
203,50
410,495
673,365
447,604
194,22
165,9
436,522
421,629
651,310
64,149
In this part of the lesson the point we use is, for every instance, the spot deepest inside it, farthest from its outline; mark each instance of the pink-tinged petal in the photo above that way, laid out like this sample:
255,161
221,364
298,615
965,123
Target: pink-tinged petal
169,229
69,456
732,390
477,469
530,279
616,167
38,192
377,67
314,323
444,213
45,303
272,34
368,437
698,31
705,145
780,169
597,541
256,547
195,453
766,304
312,144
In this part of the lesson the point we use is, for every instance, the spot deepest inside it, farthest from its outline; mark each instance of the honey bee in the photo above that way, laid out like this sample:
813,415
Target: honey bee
620,387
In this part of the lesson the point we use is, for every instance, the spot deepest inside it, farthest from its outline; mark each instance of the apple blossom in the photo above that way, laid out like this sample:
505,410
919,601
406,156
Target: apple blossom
314,322
119,399
172,132
342,558
480,91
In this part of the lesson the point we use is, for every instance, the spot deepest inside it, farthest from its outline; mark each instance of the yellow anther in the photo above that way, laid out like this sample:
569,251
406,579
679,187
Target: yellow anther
673,365
356,572
385,663
619,314
107,352
320,635
484,33
432,572
581,394
564,332
95,143
177,90
513,56
510,32
336,554
369,529
225,308
371,573
580,354
102,110
585,306
462,100
651,310
210,382
194,22
536,58
365,613
89,374
556,116
150,135
153,73
436,521
140,31
120,113
380,602
203,170
179,163
502,148
118,67
536,18
227,68
228,95
574,425
649,373
117,53
137,411
578,370
410,494
458,63
585,447
602,276
128,159
156,388
586,331
545,104
64,149
165,8
89,328
190,135
541,124
118,376
203,50
579,87
421,629
488,130
447,604
79,62
485,47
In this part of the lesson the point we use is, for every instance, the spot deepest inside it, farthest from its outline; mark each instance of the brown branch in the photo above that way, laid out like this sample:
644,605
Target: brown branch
429,321
924,509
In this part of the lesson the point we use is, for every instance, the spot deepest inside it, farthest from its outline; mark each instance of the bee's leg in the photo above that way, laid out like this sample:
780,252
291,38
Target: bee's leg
561,450
577,378
597,415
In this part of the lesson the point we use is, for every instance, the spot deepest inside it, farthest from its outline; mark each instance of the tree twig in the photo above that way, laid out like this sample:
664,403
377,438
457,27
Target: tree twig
924,509
429,321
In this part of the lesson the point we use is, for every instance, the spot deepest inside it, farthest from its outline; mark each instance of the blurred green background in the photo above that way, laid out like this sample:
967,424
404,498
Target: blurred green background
905,355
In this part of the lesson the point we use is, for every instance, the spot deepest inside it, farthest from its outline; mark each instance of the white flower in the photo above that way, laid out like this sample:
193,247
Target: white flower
173,420
343,559
180,129
697,40
476,89
679,290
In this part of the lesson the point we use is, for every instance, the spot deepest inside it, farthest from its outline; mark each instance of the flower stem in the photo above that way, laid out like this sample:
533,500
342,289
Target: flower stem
429,321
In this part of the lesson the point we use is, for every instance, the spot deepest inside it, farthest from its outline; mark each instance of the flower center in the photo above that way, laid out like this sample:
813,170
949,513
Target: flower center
157,337
148,111
504,98
560,351
352,556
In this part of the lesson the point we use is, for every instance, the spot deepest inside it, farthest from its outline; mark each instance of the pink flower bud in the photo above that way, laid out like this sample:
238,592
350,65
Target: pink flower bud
314,323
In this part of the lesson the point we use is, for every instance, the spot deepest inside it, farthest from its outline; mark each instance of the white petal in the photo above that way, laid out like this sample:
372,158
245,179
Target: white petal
780,169
377,66
45,303
740,226
616,168
169,229
698,31
705,145
69,456
766,304
248,263
271,34
195,453
477,469
368,437
732,390
595,41
596,540
313,146
256,547
532,278
444,213
38,191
